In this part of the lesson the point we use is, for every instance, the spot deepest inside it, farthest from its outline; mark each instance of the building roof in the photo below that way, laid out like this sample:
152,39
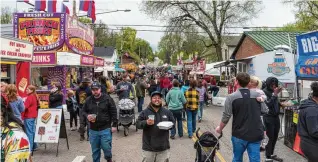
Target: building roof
269,39
231,40
104,51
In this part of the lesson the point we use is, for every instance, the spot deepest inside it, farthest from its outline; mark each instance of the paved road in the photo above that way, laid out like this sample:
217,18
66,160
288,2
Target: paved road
128,149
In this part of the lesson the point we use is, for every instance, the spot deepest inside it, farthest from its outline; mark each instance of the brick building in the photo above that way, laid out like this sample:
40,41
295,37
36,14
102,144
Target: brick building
256,42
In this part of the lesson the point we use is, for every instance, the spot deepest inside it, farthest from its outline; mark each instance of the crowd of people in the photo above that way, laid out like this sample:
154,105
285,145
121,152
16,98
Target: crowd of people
173,98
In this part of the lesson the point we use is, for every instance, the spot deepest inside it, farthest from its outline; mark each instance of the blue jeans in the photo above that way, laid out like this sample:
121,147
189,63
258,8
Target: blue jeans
30,131
239,147
200,111
177,114
101,140
191,121
140,103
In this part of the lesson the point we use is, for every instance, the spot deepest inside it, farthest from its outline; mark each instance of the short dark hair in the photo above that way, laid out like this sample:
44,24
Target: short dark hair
193,83
175,83
314,88
243,79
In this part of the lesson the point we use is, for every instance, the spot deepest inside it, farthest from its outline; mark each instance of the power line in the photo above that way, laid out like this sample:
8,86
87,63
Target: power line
162,31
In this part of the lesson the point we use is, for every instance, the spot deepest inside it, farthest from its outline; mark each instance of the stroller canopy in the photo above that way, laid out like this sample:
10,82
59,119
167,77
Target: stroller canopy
126,104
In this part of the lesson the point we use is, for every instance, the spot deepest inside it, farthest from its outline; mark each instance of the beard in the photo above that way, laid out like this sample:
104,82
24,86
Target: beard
154,105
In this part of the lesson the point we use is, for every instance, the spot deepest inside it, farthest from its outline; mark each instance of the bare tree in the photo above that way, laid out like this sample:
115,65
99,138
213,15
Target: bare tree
212,17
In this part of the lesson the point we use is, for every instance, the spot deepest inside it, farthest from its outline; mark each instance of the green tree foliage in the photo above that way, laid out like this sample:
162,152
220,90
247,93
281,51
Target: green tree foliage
306,16
212,17
6,15
124,41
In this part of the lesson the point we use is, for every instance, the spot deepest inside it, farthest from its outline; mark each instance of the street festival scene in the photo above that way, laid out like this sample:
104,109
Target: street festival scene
159,81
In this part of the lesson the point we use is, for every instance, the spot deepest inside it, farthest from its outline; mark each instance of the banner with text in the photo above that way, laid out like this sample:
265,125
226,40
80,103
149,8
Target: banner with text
16,50
99,61
48,125
48,58
307,64
87,60
44,30
79,37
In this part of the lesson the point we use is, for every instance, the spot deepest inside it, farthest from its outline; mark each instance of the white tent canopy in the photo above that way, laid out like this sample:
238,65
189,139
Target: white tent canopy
210,70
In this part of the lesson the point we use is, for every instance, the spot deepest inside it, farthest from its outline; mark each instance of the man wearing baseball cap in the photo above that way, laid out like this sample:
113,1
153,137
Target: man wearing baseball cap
155,141
101,112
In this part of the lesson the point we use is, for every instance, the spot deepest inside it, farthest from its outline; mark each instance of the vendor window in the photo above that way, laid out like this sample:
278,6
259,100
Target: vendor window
5,73
39,77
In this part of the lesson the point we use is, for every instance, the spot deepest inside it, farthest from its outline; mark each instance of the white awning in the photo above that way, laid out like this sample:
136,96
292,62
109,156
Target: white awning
99,69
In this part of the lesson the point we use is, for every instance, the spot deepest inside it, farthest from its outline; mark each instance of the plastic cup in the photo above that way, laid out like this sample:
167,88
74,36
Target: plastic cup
151,117
94,116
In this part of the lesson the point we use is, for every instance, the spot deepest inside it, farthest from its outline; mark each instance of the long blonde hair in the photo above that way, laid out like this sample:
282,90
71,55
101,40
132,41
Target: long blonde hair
12,92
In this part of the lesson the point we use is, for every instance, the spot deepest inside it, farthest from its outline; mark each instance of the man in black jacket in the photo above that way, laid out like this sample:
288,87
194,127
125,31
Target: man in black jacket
271,119
101,112
308,125
155,141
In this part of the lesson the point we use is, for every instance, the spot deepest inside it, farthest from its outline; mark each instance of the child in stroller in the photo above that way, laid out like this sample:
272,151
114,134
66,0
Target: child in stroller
206,146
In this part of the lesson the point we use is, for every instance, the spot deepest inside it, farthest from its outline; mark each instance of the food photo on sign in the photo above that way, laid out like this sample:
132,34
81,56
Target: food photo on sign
48,125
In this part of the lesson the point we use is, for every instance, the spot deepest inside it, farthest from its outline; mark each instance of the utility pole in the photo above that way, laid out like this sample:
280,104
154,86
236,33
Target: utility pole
74,8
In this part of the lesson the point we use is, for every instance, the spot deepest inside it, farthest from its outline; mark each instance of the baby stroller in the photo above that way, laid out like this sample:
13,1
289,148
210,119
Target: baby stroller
126,115
206,146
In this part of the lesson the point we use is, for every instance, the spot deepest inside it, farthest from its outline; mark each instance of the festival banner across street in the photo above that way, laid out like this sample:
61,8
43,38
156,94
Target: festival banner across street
307,64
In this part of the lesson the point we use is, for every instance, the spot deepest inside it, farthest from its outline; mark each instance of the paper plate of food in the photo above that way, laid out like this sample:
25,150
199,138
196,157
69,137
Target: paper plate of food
165,125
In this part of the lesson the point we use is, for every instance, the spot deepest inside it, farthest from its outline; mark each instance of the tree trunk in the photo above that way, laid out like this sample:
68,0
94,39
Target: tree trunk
218,49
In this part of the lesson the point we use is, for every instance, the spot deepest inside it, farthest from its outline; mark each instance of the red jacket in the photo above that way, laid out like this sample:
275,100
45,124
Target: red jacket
166,83
31,107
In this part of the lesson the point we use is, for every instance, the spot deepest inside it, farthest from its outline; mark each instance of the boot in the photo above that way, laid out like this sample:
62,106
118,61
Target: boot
276,158
82,138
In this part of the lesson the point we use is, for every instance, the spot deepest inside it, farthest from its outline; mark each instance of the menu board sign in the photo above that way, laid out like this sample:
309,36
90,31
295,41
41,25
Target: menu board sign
16,50
44,30
87,60
48,58
79,37
48,126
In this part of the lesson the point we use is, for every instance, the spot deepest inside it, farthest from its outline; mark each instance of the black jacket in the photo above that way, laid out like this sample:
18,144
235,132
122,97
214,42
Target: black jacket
105,110
272,100
308,122
153,138
55,99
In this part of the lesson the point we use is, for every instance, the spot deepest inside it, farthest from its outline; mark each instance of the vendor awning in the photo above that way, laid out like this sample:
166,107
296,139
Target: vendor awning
242,59
222,63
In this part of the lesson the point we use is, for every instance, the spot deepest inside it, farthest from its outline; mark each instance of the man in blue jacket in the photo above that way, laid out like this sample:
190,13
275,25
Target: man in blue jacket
175,100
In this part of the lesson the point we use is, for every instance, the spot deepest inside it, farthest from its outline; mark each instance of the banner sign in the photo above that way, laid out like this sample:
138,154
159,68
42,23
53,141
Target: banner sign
48,125
43,99
99,61
44,30
307,44
23,77
16,50
307,67
307,64
79,37
87,60
48,58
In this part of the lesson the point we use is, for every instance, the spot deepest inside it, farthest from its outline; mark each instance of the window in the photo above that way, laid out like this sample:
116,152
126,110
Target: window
242,67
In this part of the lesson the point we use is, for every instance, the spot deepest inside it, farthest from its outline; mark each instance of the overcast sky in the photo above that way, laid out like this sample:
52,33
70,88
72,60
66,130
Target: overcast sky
274,14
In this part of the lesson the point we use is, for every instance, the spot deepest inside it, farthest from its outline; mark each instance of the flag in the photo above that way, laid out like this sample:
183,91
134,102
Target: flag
40,5
84,5
51,6
91,11
65,9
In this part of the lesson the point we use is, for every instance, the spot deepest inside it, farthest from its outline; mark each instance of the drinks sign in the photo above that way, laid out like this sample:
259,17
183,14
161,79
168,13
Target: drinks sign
44,58
87,60
44,30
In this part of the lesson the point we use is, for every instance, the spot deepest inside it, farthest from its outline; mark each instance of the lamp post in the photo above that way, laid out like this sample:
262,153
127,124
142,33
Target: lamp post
126,10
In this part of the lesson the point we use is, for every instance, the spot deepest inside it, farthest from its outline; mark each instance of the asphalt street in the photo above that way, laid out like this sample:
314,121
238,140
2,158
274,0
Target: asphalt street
128,149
